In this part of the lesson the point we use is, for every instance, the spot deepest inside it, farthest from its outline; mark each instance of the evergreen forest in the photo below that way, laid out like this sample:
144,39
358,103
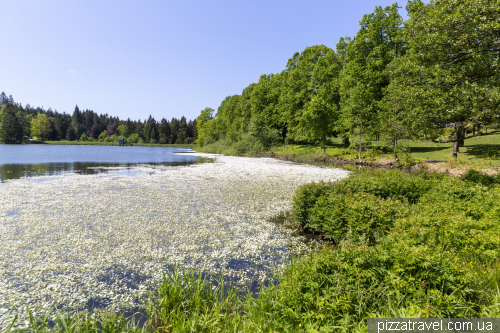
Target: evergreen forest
18,123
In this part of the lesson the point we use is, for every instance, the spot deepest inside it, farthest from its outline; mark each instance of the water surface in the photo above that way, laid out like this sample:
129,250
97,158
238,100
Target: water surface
18,161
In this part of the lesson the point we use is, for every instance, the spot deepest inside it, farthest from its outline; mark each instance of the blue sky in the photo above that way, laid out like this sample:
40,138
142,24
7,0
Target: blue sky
165,58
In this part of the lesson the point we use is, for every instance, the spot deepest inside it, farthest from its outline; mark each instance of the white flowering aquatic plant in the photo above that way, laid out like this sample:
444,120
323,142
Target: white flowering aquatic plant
74,242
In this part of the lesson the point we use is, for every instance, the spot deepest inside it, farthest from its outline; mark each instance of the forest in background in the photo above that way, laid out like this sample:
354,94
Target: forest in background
394,80
18,122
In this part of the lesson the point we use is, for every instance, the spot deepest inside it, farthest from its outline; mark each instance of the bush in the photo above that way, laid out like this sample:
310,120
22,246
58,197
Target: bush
133,138
343,285
477,177
359,216
304,200
397,185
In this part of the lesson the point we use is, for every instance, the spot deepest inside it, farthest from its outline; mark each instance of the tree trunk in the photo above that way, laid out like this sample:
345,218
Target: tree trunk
360,130
345,141
458,138
473,129
324,144
395,148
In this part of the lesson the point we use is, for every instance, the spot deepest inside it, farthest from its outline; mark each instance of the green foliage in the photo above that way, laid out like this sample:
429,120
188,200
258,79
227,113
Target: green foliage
356,216
123,130
133,138
40,126
449,73
85,138
102,135
186,302
436,257
11,130
204,132
478,177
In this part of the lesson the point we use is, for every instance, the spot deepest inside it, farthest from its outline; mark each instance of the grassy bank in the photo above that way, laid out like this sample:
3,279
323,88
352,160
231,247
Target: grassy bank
401,244
480,151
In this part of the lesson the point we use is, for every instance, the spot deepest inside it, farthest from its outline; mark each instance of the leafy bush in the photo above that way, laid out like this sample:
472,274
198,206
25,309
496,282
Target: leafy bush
354,215
398,185
133,138
343,285
305,198
420,243
477,177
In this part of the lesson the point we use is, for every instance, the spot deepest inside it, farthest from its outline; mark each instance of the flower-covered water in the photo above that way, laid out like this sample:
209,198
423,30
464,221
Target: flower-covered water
72,242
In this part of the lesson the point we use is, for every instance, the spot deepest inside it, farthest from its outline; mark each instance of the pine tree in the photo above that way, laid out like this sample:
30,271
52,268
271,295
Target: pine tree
71,134
3,98
182,133
164,131
11,130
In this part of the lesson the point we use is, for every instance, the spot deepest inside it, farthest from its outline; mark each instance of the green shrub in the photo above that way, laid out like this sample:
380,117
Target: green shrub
477,177
133,138
354,215
305,198
395,184
341,286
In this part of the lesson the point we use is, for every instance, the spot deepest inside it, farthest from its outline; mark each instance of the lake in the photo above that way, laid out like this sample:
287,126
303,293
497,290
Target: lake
70,241
17,161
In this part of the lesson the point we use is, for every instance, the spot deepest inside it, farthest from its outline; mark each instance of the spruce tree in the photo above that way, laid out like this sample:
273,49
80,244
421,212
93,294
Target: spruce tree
3,98
164,131
71,134
11,130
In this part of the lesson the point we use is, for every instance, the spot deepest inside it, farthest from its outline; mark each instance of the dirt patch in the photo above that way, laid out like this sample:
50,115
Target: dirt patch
458,170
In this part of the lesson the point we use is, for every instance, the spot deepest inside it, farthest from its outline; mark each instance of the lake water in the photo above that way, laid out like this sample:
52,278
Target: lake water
70,241
17,161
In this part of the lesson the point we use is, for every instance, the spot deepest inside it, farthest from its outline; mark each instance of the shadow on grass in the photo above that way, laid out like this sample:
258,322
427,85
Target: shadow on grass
483,151
427,149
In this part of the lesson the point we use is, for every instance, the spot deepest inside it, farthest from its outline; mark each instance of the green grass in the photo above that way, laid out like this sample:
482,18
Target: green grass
480,151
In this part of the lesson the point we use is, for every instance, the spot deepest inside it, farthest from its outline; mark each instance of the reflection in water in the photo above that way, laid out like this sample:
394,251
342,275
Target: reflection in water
17,171
21,161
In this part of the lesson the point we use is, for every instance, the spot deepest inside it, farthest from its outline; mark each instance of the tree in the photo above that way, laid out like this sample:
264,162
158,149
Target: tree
356,112
307,73
41,126
364,78
450,73
164,131
94,131
150,130
319,119
206,115
54,134
71,134
182,133
3,98
112,129
123,130
10,128
266,102
77,122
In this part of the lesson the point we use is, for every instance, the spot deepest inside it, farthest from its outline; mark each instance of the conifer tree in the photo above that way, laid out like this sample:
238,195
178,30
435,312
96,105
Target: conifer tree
11,130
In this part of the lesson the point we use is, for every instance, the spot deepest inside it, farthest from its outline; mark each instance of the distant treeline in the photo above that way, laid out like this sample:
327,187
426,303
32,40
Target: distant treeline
395,79
17,122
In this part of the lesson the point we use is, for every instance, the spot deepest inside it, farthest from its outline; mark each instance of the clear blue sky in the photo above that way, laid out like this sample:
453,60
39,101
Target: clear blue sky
165,58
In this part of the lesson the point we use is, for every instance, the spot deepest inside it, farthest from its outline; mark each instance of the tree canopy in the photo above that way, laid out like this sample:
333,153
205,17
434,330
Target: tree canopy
395,79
